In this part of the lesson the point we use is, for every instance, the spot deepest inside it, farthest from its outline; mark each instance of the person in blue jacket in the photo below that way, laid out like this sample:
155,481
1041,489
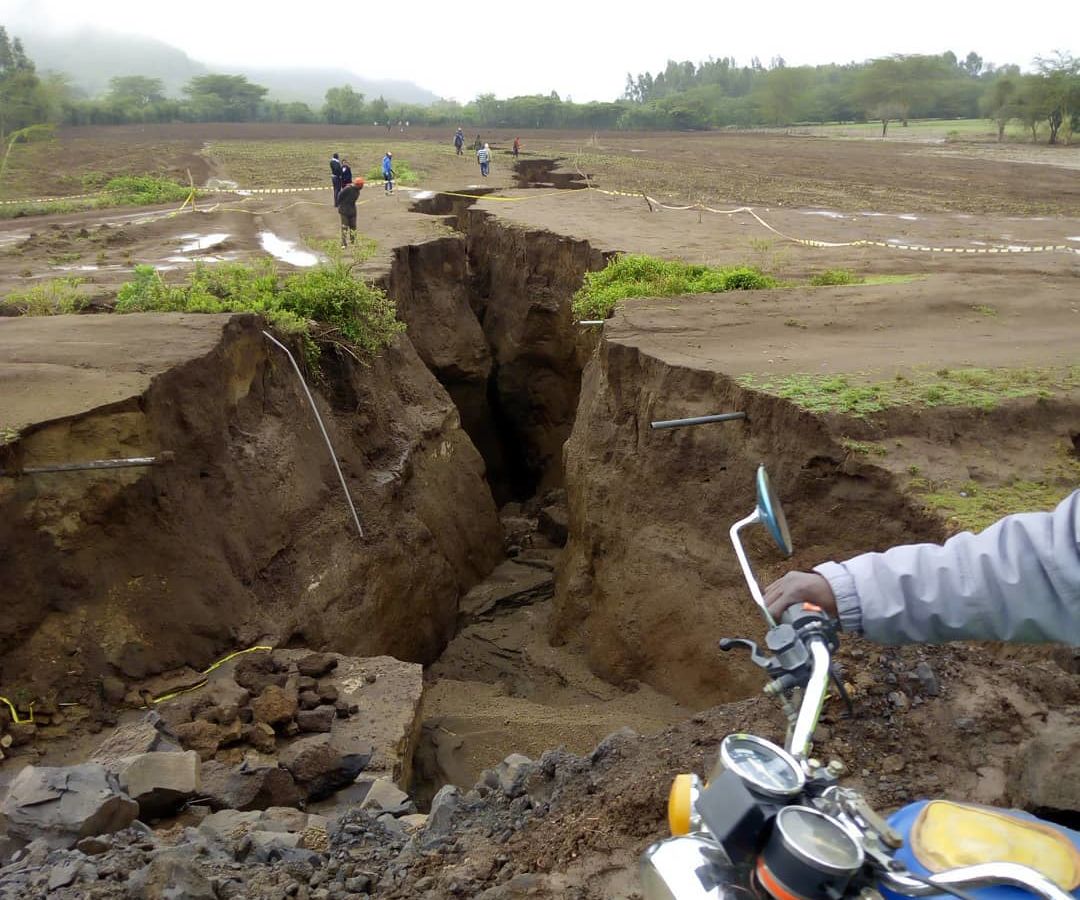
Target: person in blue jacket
388,172
335,175
1019,580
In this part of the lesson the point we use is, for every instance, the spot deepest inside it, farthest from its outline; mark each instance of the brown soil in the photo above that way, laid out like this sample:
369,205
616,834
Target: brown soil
249,519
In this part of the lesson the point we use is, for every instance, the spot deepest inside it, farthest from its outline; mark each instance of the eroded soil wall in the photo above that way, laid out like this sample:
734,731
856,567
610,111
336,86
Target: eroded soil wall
246,537
649,581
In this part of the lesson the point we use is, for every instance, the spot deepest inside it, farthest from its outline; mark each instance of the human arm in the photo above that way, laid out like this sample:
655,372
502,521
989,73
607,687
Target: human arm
1019,580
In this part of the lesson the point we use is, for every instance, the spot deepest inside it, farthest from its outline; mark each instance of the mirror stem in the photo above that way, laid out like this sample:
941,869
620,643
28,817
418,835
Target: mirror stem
748,573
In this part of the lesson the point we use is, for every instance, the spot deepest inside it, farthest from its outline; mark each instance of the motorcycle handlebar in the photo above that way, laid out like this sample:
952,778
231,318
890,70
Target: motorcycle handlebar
813,699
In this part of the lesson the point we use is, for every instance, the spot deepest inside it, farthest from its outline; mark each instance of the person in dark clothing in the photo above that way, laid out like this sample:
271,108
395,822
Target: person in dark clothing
347,210
459,141
346,172
517,147
335,176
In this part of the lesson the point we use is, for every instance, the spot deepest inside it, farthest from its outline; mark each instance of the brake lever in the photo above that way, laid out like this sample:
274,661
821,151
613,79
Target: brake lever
758,658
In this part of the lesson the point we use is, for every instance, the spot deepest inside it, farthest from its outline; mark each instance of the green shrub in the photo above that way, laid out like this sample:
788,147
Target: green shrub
145,190
325,304
637,275
835,276
58,296
403,173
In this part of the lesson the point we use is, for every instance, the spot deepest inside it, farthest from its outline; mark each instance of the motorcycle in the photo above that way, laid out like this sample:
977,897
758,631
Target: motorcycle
774,823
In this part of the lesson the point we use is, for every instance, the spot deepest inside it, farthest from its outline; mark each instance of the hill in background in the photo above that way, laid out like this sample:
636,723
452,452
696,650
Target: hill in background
91,57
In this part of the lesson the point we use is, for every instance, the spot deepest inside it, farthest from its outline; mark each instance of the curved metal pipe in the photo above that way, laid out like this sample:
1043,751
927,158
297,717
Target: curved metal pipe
813,700
977,876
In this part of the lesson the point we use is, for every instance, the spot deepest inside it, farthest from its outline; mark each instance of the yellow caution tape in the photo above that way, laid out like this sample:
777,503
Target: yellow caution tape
187,690
15,713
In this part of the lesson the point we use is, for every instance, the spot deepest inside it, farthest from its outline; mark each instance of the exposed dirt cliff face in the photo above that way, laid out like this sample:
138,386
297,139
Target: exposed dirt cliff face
246,536
649,580
524,281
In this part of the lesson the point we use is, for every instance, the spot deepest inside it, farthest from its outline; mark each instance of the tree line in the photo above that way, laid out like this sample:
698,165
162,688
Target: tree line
713,94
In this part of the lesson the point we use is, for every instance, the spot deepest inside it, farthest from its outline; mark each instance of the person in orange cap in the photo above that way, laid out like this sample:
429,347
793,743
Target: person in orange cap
347,210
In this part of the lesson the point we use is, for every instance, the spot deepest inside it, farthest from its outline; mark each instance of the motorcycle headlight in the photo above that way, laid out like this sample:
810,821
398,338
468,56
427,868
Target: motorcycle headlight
684,868
682,800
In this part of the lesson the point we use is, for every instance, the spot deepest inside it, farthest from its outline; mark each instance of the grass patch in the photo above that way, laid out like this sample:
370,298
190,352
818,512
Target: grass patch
985,310
834,277
973,507
637,275
326,305
403,173
58,296
125,190
979,388
862,448
892,279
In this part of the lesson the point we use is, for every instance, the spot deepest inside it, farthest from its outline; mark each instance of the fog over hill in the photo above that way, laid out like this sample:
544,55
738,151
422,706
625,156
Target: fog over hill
91,57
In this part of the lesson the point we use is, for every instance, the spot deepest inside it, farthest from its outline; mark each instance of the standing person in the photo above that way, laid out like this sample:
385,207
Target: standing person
517,147
346,172
335,175
388,171
459,141
347,210
483,156
477,144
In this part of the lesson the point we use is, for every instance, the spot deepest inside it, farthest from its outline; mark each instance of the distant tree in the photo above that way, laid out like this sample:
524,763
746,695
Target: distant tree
881,91
21,101
344,106
135,91
973,64
379,109
999,103
230,98
1061,76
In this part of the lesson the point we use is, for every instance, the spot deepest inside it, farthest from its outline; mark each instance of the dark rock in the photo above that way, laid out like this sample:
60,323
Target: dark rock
21,733
328,693
94,845
309,700
248,787
274,706
201,736
307,683
261,736
63,805
315,665
257,671
927,679
384,796
319,768
444,807
553,523
318,720
113,690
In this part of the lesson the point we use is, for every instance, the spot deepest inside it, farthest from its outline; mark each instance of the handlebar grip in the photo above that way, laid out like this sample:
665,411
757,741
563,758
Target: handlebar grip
799,614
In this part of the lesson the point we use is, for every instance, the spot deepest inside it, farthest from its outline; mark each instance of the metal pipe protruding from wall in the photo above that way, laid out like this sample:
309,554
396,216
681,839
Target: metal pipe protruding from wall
591,321
698,420
164,458
322,428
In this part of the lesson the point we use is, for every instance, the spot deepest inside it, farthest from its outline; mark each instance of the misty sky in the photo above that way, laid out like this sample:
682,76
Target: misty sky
460,48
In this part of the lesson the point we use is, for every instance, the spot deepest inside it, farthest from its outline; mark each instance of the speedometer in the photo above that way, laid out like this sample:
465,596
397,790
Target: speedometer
762,766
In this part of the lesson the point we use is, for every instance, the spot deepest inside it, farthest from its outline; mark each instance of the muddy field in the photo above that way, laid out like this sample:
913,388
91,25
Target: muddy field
559,569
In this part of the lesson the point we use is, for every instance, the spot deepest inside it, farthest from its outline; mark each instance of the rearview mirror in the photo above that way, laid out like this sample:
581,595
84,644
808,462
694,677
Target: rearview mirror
771,513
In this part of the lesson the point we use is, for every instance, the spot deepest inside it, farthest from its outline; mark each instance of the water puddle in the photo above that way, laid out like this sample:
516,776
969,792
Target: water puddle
221,184
907,217
201,241
13,237
286,251
422,195
1077,238
829,214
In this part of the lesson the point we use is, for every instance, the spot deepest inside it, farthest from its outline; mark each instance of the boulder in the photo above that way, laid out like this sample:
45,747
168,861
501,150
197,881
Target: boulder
318,720
113,690
256,671
512,774
160,782
319,767
145,736
248,787
170,877
553,523
1045,773
229,824
386,797
444,806
309,700
274,706
201,736
261,736
316,665
63,805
